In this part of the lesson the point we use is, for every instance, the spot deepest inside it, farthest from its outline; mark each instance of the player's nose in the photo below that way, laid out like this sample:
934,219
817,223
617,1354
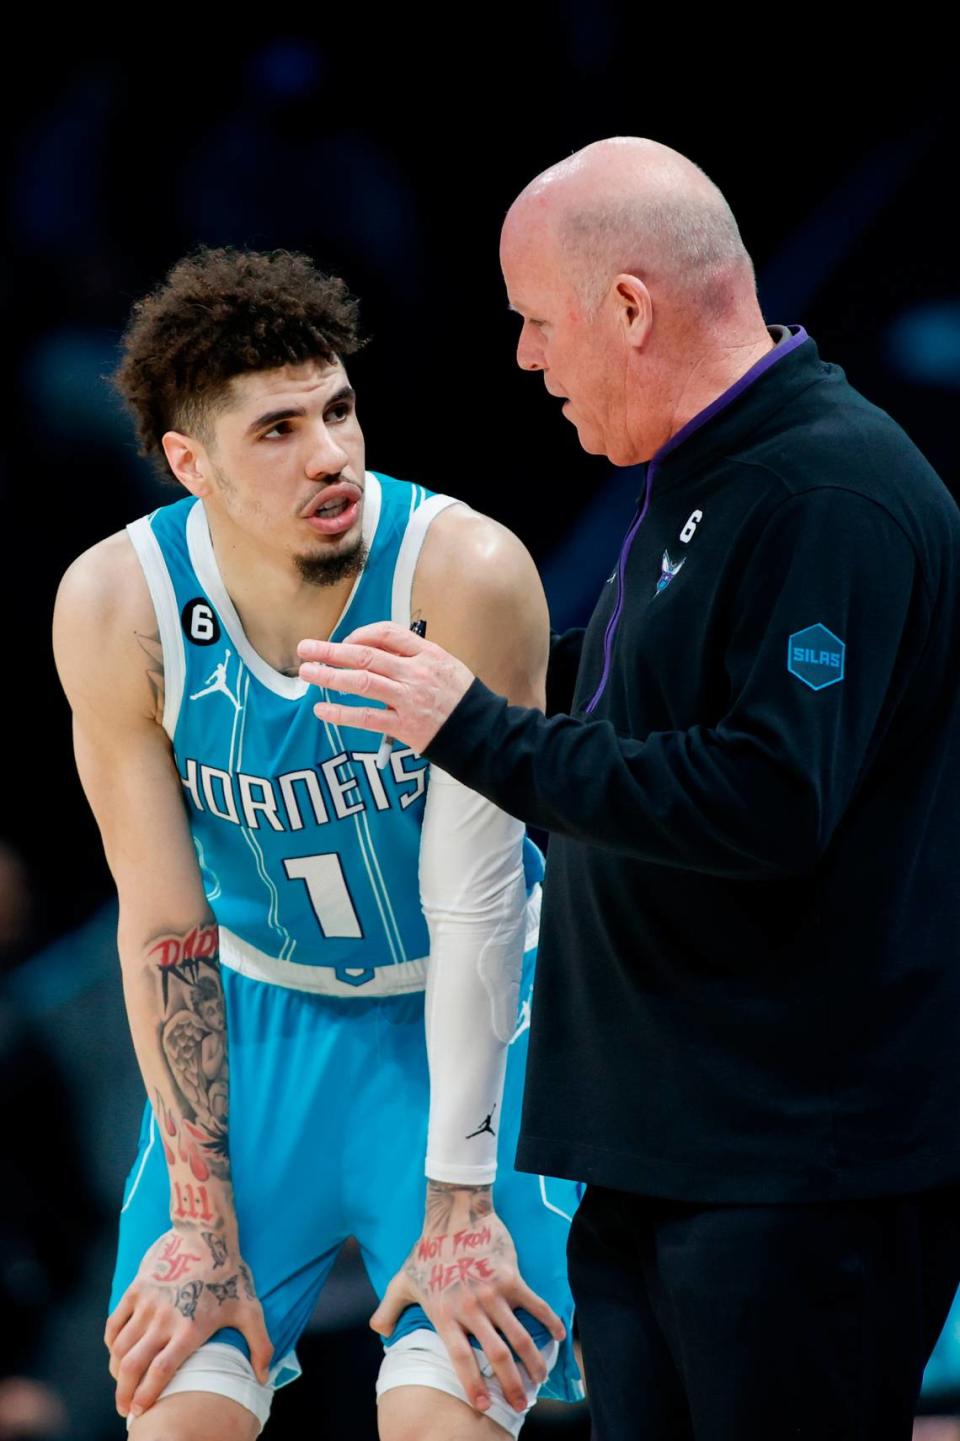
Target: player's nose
326,455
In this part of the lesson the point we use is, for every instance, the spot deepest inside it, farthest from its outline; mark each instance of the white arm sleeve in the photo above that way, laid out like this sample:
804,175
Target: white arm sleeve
474,900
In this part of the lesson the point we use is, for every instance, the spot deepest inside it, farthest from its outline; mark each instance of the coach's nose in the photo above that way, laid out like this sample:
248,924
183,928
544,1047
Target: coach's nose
530,347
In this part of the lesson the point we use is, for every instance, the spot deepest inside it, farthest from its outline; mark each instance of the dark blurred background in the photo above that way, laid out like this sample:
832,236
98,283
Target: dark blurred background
389,149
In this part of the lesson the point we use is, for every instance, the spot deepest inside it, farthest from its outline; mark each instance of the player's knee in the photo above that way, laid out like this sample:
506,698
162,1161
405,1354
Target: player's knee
195,1416
420,1413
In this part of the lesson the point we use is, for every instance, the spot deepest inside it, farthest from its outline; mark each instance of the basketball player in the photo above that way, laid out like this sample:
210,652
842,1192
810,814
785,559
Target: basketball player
294,907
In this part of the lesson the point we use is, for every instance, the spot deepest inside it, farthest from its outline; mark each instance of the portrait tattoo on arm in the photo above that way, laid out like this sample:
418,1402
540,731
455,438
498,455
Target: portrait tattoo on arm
193,1040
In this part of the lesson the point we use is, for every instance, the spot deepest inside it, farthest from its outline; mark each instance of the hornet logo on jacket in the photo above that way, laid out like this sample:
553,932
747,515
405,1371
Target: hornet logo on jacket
668,569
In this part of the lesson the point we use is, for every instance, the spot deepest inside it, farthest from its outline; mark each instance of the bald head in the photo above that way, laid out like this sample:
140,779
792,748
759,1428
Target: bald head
634,206
636,294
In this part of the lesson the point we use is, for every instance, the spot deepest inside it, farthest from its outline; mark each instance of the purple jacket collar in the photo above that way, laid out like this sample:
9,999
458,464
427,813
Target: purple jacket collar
794,339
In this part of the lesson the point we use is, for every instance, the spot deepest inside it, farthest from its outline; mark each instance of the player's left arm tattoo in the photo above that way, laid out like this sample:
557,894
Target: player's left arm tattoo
191,1103
193,1040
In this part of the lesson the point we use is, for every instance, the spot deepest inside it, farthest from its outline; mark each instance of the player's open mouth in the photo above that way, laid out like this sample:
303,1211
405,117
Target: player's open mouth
334,519
335,509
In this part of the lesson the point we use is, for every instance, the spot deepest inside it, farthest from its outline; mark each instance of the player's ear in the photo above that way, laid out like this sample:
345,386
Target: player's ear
186,459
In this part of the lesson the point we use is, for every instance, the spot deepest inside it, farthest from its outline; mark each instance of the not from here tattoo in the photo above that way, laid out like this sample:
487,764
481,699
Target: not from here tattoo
451,1258
449,1255
463,1271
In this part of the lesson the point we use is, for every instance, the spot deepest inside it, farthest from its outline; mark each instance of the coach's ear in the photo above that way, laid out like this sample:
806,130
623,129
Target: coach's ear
188,461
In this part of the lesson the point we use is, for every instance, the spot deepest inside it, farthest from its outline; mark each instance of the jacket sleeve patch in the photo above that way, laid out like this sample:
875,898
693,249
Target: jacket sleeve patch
816,656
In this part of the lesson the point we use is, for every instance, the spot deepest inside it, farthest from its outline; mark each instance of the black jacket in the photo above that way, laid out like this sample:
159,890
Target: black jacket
749,973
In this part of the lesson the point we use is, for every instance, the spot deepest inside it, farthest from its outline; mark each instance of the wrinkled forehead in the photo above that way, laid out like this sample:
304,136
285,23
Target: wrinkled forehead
536,270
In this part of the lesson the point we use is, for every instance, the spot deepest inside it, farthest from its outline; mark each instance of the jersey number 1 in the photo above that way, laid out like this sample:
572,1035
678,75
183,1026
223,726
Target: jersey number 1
327,888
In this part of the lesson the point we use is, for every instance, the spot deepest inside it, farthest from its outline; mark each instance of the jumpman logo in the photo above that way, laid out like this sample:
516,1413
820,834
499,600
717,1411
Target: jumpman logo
486,1127
217,681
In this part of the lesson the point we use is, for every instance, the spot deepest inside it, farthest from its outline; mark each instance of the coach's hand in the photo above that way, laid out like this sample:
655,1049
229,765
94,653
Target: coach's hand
418,683
463,1272
190,1283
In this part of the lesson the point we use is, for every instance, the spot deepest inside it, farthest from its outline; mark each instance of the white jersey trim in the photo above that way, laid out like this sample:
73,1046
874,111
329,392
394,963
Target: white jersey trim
256,965
143,1161
534,907
397,979
204,561
409,554
163,595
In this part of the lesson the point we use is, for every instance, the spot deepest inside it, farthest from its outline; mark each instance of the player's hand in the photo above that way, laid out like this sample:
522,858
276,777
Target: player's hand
463,1272
190,1283
416,683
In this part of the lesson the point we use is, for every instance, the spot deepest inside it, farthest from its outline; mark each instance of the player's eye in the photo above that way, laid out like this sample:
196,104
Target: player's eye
281,428
341,411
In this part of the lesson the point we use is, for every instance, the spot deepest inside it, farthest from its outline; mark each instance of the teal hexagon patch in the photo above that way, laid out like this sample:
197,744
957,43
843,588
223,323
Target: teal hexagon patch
816,656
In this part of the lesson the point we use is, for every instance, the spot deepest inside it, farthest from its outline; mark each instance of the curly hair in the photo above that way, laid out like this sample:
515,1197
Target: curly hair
222,313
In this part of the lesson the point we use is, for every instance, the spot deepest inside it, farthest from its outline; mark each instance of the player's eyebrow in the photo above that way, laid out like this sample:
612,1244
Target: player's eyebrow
272,417
288,412
346,392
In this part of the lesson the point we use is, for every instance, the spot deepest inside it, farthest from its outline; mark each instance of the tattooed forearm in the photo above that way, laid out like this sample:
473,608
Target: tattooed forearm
184,1141
193,1039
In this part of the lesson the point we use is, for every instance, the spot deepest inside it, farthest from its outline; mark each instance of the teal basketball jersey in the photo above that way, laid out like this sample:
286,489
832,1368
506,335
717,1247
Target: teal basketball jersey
310,859
309,853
